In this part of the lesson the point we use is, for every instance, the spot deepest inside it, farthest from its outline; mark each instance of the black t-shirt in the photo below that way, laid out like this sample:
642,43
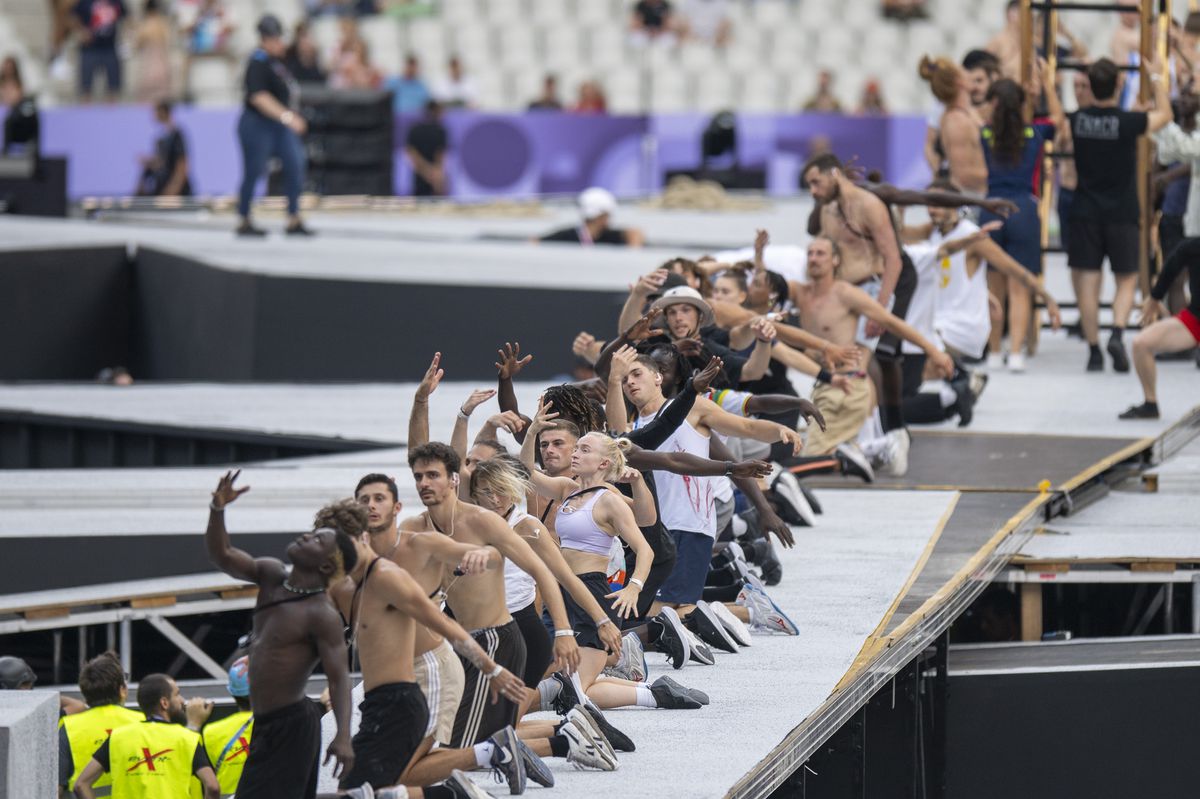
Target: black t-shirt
267,74
652,14
304,73
100,18
428,138
1105,141
21,127
611,235
170,149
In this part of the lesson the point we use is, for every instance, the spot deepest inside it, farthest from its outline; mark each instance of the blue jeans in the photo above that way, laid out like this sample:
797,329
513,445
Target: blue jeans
93,60
262,138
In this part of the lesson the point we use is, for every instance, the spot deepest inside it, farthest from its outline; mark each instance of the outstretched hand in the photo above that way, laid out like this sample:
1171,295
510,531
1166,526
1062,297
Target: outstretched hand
545,414
225,492
511,363
641,329
702,380
771,523
477,398
433,377
751,469
811,414
999,207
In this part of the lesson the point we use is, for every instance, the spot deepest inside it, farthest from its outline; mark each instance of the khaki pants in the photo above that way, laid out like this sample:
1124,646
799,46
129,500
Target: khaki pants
844,414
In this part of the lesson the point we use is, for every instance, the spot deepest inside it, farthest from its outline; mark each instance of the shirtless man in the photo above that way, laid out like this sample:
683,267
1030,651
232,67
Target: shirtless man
295,625
386,611
830,306
478,601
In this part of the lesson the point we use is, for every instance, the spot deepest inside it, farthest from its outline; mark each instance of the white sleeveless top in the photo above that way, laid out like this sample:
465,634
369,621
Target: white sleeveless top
684,502
920,312
962,319
519,587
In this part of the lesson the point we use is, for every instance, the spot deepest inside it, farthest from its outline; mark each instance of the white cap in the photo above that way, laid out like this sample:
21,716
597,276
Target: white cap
686,295
595,201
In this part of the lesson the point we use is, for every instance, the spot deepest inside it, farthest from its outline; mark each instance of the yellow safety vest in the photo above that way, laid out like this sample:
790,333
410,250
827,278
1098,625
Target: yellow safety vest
152,760
87,731
228,742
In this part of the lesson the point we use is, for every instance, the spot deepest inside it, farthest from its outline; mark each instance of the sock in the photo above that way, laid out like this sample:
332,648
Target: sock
722,593
483,753
891,417
654,629
644,697
1150,406
548,690
1094,348
947,395
559,746
436,792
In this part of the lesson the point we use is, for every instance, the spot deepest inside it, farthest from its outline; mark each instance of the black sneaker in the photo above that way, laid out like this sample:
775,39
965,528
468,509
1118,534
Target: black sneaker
812,498
249,231
1095,360
617,739
299,229
709,629
964,398
535,768
507,763
854,463
673,640
567,697
1147,410
672,698
1116,351
694,693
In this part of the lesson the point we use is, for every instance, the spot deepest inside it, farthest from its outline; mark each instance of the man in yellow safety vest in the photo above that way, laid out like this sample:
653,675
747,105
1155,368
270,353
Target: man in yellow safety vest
102,682
228,741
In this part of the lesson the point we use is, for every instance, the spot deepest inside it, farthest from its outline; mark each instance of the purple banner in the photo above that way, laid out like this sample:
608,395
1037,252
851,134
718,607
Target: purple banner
511,155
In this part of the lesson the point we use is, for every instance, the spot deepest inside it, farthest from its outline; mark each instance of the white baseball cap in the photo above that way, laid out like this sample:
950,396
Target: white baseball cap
595,202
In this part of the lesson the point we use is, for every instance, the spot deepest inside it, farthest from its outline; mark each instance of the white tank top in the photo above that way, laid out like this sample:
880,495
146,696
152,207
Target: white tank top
519,587
684,502
924,299
962,319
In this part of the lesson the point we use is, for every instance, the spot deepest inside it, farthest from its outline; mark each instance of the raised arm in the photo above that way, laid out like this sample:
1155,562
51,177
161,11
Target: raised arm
615,517
761,239
645,511
640,330
861,302
991,252
458,438
544,484
686,463
326,628
470,559
941,199
760,357
782,403
638,294
655,433
614,410
1162,113
226,557
767,518
759,429
418,420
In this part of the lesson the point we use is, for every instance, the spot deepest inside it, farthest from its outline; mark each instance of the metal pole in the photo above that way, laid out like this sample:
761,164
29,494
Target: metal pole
110,636
1169,608
58,657
1196,606
82,631
127,646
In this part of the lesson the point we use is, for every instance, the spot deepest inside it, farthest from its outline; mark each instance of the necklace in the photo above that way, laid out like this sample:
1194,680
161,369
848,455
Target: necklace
302,591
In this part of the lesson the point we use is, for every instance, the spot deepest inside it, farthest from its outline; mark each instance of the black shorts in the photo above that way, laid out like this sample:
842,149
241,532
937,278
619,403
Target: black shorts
660,570
284,753
394,719
1091,240
539,649
586,633
906,286
477,717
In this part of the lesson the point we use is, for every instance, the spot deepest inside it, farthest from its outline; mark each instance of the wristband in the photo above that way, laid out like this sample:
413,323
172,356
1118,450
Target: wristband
564,633
462,415
729,468
213,506
824,376
285,117
637,582
602,622
496,672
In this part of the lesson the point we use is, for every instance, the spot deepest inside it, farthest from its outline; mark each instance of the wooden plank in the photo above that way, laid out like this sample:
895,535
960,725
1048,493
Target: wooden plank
1031,611
1152,566
1040,566
239,593
153,602
47,613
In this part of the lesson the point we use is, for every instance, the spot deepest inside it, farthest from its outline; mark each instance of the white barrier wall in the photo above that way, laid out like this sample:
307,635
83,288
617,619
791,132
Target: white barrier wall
28,744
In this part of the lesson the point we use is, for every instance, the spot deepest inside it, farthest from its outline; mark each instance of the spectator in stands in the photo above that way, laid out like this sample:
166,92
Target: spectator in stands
341,8
871,103
22,126
706,21
591,99
548,99
354,69
98,23
206,32
456,90
653,21
270,127
1006,45
165,174
824,101
597,207
425,146
409,92
303,59
152,41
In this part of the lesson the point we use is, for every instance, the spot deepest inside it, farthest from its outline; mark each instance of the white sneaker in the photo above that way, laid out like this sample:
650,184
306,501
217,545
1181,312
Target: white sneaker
584,752
764,613
459,784
732,624
995,361
1016,362
581,721
701,652
631,665
899,441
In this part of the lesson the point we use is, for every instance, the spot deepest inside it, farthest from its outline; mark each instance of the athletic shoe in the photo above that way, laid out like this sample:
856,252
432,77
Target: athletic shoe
299,229
964,398
705,624
249,231
673,640
506,763
535,768
793,507
853,463
995,360
978,382
568,697
732,624
812,499
1146,410
617,739
1016,362
670,696
764,613
701,652
694,693
584,752
459,784
631,665
1095,360
580,718
1116,351
899,441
